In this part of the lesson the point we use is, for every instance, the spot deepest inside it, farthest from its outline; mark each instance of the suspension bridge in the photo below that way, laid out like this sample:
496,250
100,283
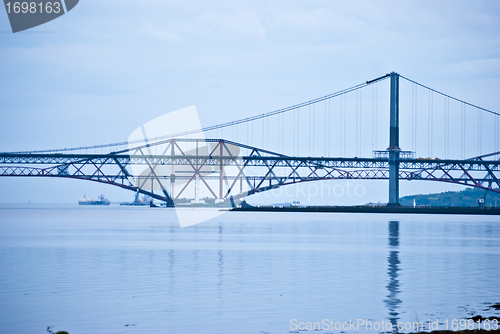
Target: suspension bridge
431,137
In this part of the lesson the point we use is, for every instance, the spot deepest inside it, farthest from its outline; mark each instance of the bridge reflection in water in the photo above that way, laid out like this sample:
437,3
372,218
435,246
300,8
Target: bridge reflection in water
392,300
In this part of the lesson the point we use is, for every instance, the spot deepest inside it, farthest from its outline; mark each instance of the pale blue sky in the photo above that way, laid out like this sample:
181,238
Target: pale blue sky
97,73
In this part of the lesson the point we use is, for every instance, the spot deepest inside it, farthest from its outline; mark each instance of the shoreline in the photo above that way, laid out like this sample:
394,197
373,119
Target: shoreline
374,209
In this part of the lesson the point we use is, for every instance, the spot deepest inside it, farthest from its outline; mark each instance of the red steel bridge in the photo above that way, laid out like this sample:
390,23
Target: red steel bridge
180,167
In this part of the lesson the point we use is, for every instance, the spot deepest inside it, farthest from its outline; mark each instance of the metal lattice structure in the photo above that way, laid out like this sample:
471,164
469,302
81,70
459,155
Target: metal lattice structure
225,169
174,167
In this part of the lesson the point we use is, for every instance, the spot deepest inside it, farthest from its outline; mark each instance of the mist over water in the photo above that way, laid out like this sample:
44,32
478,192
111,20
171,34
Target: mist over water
134,270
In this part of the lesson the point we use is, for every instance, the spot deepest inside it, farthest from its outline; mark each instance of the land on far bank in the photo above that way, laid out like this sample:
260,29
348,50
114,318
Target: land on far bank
465,198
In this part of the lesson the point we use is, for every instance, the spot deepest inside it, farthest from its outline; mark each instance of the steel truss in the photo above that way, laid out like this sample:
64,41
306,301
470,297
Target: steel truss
227,169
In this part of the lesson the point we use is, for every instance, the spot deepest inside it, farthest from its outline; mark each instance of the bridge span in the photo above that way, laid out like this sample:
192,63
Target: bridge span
225,172
180,167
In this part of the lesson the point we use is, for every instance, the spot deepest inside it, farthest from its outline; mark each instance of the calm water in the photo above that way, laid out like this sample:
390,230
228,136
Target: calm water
133,270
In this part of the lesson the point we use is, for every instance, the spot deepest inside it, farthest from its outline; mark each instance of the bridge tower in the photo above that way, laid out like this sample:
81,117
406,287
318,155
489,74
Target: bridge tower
394,142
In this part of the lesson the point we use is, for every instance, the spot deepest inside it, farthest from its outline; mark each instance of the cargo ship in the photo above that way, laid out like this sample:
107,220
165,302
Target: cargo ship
101,200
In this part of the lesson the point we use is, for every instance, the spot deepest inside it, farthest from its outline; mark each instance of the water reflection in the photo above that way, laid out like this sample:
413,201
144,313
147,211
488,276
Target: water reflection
220,283
392,301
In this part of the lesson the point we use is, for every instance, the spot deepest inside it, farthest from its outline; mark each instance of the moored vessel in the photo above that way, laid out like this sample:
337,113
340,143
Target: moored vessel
101,200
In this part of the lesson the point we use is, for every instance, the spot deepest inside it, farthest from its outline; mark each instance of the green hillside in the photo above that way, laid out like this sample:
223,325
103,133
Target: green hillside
467,197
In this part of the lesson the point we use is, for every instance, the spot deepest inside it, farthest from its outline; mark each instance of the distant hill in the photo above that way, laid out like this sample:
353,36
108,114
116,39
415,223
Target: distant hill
464,198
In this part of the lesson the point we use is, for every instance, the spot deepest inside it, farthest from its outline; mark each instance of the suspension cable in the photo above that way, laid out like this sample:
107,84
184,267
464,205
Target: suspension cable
340,126
451,97
479,132
376,116
463,130
416,118
429,129
223,125
265,115
326,139
345,124
432,123
413,118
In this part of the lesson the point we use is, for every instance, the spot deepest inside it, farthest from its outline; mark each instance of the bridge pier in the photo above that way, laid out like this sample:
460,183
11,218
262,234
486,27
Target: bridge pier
394,142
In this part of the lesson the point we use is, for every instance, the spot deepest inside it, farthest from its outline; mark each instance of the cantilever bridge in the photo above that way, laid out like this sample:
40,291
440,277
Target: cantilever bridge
190,167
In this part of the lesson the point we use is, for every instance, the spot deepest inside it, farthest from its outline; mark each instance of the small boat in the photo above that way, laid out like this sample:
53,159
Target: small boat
101,200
